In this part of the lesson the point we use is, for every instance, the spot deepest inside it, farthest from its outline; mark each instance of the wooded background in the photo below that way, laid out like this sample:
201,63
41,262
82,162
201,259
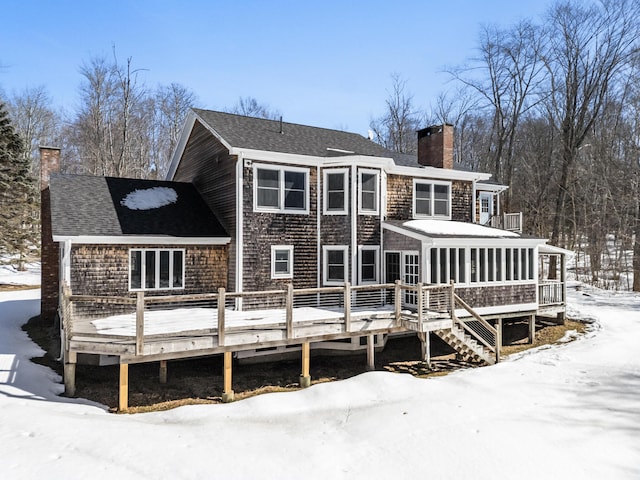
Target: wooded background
550,107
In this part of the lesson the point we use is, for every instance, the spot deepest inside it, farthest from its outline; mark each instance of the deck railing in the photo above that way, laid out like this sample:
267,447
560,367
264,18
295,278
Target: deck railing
551,293
507,221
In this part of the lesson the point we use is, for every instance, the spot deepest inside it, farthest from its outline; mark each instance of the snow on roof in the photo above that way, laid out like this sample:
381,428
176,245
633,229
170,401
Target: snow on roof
150,198
443,227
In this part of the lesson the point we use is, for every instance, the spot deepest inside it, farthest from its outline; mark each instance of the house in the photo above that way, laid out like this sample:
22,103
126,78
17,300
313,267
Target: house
271,236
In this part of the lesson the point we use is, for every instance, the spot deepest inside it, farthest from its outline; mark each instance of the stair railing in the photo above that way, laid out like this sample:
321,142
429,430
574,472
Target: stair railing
479,329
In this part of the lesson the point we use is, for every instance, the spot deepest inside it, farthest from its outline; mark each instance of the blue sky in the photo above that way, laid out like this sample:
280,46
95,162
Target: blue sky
325,63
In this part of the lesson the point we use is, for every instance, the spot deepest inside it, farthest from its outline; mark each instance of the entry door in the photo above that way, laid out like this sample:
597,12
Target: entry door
403,266
486,207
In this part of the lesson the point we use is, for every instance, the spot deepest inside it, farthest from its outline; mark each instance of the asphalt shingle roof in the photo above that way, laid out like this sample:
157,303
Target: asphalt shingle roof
263,134
92,206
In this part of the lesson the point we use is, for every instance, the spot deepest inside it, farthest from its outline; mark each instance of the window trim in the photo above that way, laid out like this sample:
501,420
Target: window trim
274,249
376,210
376,250
325,191
143,287
325,265
281,169
432,200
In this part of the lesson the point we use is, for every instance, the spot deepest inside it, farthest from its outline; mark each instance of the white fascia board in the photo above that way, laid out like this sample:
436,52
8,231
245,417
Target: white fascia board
136,239
551,249
276,157
491,187
484,242
182,143
439,173
500,309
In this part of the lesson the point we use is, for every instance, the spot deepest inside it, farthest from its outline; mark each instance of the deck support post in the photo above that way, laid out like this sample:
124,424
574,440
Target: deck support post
425,348
371,361
163,371
498,339
139,323
221,304
420,306
70,374
227,393
532,328
123,397
305,378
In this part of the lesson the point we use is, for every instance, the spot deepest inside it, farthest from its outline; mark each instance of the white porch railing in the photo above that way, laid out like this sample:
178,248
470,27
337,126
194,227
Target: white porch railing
551,293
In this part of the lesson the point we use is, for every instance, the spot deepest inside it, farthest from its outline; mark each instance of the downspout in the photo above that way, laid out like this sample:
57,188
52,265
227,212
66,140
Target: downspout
473,203
383,217
239,223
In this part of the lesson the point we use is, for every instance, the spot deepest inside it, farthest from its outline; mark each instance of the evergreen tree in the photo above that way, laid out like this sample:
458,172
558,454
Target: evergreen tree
18,200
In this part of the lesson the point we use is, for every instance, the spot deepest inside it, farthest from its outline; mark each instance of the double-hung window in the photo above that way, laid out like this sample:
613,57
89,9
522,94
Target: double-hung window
431,199
368,257
335,263
156,269
336,191
369,181
281,189
282,261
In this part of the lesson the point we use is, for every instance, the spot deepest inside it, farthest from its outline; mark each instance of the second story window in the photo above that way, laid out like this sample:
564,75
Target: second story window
431,199
281,189
368,183
336,191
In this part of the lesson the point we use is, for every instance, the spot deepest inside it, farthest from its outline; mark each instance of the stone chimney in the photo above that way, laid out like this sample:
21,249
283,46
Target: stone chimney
49,250
435,146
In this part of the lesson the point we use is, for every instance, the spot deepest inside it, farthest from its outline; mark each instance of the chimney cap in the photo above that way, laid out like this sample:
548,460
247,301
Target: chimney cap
47,147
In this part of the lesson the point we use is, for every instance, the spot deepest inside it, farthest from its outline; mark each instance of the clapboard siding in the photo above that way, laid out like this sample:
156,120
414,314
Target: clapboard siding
261,230
207,164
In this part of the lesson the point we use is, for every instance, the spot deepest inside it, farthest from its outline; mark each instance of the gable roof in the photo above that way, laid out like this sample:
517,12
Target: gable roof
272,135
87,206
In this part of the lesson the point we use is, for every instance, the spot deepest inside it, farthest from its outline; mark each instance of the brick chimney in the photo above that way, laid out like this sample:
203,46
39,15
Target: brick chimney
435,146
49,250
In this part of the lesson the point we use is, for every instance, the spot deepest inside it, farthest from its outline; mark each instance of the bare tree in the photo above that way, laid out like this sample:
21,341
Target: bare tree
250,107
589,48
396,128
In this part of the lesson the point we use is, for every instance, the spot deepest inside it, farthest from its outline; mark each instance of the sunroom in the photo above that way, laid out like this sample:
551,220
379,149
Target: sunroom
497,272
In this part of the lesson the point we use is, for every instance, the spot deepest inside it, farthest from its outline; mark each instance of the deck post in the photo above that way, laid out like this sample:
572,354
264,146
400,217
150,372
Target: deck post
163,371
425,348
420,302
532,328
139,323
371,362
498,339
221,305
289,310
347,306
70,374
397,300
305,378
228,394
123,397
562,316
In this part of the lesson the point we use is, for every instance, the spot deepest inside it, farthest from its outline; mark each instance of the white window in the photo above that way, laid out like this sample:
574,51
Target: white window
335,262
336,191
156,269
281,189
431,199
368,181
282,261
368,260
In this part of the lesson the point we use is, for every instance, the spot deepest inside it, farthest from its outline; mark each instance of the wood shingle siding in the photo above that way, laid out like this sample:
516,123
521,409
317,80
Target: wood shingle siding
489,295
399,197
396,241
261,230
461,201
207,164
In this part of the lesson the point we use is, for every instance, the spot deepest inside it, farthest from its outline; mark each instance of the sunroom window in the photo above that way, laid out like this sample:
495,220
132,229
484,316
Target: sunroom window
156,269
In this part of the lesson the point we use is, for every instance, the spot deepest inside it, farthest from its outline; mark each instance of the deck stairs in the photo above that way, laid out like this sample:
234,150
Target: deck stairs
467,348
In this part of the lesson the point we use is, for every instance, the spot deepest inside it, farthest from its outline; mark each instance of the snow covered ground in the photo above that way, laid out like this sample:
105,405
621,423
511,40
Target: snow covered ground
566,411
